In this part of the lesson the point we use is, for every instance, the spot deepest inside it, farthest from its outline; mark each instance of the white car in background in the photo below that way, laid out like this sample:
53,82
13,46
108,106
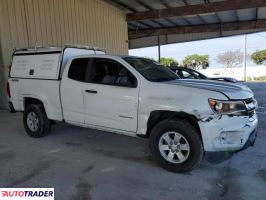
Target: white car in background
187,73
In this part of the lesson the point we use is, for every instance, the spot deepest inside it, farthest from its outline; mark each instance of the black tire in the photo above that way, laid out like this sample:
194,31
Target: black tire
44,124
188,131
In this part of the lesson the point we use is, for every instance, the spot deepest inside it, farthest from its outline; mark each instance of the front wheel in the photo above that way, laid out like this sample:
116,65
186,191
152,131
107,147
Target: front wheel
176,145
35,121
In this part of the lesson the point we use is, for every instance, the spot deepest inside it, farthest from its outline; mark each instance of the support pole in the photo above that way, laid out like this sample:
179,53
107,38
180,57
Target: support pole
245,58
3,96
159,48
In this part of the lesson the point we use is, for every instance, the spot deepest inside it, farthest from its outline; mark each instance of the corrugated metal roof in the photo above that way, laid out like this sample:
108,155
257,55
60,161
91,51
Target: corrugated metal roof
209,18
223,17
262,13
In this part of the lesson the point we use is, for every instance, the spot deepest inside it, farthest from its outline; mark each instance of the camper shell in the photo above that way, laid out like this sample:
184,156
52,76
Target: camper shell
46,62
41,66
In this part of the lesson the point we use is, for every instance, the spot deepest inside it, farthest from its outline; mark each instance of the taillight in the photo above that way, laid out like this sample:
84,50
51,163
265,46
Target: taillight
8,89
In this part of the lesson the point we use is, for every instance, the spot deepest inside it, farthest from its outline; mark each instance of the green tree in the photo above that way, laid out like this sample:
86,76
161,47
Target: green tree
168,62
259,57
196,61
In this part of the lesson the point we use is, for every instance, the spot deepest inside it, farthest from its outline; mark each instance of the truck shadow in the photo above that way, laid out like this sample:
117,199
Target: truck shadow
111,145
103,143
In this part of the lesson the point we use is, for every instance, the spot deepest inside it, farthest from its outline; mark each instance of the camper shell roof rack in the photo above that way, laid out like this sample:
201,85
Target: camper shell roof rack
44,49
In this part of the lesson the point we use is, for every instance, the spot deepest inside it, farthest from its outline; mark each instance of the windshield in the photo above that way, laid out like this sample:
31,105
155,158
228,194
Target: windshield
151,70
199,75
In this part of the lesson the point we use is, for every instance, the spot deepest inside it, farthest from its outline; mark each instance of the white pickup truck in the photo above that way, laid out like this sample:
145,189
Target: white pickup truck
183,119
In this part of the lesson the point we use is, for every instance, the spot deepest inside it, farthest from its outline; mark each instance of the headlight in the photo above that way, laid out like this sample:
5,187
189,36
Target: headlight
227,107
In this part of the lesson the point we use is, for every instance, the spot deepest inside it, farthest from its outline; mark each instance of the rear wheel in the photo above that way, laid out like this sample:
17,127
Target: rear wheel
35,121
176,145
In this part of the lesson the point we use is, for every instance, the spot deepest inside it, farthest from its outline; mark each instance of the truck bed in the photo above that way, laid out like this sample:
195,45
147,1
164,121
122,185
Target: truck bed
47,91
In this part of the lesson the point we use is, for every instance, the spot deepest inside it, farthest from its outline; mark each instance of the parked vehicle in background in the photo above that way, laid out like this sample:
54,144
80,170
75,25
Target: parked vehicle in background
187,73
132,96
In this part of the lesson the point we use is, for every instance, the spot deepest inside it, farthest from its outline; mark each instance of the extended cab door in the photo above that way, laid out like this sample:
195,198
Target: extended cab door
72,91
111,96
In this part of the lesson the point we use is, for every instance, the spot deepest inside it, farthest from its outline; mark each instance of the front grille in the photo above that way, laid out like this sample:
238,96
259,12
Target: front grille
251,114
251,104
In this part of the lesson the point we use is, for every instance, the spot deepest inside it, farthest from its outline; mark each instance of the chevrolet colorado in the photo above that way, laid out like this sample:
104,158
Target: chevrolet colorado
183,119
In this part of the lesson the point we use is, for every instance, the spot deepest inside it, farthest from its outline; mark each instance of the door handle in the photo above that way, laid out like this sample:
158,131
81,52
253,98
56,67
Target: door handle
31,72
91,91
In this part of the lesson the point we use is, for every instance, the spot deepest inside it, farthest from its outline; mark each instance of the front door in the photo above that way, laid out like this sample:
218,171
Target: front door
111,96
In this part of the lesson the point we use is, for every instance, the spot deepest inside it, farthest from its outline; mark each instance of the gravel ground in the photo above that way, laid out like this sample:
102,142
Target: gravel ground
86,164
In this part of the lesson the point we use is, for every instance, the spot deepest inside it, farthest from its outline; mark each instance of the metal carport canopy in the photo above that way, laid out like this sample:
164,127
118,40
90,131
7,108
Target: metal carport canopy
171,21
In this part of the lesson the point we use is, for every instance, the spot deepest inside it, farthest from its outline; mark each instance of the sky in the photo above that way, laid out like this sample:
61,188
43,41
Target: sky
212,47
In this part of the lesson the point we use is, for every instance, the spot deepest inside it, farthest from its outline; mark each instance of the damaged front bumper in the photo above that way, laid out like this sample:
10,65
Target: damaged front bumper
221,156
229,133
251,140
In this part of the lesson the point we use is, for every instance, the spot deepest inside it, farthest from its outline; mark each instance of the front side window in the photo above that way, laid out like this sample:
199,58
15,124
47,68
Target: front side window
77,69
186,74
199,75
109,72
151,70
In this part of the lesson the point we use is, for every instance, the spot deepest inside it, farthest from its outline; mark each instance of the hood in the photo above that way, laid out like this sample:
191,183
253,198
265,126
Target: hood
231,90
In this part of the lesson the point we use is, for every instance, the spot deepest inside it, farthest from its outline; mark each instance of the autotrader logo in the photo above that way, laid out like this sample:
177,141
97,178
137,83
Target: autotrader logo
26,193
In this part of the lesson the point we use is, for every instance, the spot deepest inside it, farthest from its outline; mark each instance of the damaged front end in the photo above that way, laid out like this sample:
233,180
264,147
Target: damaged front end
231,127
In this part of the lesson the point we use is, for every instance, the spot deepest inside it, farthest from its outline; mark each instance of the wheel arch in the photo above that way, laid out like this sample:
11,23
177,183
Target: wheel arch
31,100
50,104
159,115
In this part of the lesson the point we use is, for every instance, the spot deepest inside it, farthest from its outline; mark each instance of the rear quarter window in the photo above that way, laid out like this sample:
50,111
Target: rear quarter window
77,69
